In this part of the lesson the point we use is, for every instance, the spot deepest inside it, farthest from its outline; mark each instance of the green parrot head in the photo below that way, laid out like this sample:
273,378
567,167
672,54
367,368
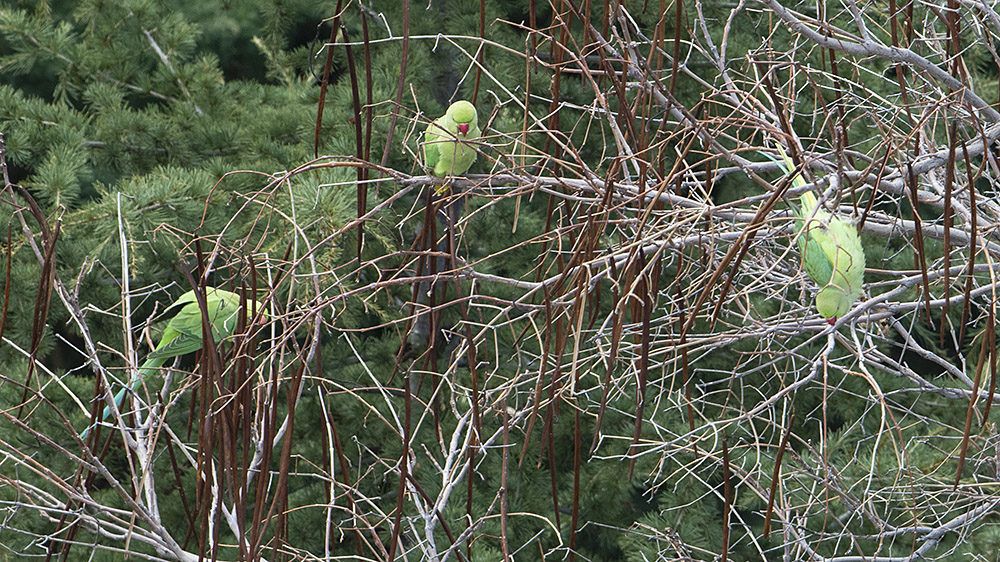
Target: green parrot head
464,115
832,303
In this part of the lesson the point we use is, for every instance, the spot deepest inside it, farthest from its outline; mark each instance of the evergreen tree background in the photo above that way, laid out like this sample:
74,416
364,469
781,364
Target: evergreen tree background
600,345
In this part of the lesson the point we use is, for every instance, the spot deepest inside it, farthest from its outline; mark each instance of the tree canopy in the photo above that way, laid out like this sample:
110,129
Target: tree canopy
597,344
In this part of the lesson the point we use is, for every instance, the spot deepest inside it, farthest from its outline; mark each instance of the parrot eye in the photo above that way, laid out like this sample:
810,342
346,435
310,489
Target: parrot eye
464,128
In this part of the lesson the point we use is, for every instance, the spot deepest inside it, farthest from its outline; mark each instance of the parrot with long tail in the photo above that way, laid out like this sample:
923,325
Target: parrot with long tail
832,254
183,334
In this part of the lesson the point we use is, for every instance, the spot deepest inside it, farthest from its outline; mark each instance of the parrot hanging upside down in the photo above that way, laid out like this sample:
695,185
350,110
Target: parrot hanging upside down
183,333
448,146
832,254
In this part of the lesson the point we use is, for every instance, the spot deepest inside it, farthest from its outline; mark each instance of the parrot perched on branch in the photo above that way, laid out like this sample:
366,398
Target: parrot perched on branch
832,254
448,142
183,333
833,257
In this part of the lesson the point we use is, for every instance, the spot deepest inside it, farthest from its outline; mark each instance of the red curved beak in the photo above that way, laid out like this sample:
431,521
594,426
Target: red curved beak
463,128
832,320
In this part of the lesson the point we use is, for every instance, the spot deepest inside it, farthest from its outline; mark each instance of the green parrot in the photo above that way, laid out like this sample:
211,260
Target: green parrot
832,254
448,142
183,333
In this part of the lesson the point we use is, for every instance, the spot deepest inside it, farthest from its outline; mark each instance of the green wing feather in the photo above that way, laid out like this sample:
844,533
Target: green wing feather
433,141
183,333
815,242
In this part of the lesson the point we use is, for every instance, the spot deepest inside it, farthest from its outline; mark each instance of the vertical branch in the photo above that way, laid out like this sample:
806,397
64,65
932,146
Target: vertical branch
400,84
919,255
